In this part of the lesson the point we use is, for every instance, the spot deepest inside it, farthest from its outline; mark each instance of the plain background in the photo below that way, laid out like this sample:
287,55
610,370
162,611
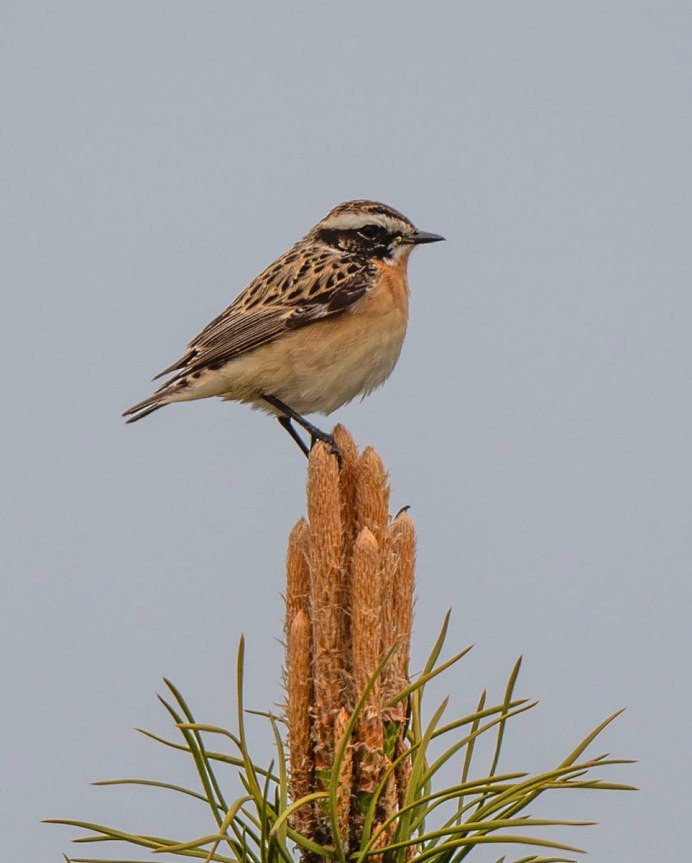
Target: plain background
156,156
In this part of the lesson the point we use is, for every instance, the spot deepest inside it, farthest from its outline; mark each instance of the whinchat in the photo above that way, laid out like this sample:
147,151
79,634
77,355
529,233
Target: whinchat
322,324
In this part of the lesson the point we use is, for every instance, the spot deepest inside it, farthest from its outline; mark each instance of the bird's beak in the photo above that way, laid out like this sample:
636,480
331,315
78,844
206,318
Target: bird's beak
420,237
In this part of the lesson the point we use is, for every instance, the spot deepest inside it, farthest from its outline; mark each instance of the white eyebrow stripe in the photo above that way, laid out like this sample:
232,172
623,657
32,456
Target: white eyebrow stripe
355,221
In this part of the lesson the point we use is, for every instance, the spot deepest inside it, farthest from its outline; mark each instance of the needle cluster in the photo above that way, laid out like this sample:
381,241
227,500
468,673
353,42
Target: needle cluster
361,770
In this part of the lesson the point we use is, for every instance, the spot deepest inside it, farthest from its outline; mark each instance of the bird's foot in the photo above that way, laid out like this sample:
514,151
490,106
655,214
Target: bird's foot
328,440
287,415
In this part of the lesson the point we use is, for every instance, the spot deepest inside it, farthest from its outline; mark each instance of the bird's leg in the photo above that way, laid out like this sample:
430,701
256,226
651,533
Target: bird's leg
286,423
315,433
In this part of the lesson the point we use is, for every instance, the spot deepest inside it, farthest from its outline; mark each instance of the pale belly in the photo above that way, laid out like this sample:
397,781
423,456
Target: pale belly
324,379
320,368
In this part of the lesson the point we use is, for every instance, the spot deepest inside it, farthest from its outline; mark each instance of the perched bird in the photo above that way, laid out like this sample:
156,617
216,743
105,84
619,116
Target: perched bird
322,324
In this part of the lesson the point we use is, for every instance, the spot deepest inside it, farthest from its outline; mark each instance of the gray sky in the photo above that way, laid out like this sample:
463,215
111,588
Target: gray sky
156,155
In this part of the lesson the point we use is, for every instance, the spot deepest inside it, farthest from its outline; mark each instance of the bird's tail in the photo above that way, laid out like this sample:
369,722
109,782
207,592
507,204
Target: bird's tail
144,408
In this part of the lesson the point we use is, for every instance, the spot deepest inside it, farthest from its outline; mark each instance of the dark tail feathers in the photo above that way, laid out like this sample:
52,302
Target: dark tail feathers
143,409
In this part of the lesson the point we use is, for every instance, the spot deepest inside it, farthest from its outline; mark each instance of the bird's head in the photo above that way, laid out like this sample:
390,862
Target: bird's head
371,230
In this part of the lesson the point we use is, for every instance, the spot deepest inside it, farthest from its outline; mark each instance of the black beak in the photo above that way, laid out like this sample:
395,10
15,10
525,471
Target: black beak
423,237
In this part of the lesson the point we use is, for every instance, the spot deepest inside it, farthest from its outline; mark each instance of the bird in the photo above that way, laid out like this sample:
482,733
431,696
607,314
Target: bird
322,324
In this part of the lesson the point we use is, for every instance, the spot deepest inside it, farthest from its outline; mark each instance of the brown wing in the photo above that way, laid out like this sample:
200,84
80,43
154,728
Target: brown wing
293,292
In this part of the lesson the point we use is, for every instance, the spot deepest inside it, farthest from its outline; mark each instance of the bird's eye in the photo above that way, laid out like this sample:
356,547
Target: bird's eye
369,232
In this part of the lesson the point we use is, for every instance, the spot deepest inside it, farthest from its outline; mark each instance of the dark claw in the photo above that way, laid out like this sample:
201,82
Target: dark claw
287,414
329,441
